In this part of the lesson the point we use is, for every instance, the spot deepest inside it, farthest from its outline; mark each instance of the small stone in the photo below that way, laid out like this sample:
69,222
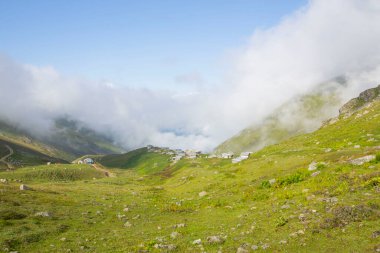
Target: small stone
265,246
174,235
202,194
180,225
197,242
127,224
255,247
314,174
312,166
126,209
42,214
376,234
285,207
283,242
357,146
214,239
3,180
241,250
63,239
302,217
272,181
24,187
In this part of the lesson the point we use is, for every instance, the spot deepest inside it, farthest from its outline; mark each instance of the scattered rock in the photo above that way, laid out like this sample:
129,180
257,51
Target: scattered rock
127,224
272,181
314,174
299,232
202,194
174,235
357,146
376,234
197,242
330,200
312,166
285,207
328,150
169,247
180,225
24,187
362,160
302,217
126,209
283,242
265,246
3,180
42,214
214,239
255,247
241,250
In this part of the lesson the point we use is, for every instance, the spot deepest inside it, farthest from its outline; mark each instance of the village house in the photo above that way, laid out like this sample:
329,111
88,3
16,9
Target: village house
88,161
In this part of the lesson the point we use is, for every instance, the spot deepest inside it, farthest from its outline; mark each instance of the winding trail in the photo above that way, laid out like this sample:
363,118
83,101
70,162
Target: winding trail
4,158
104,171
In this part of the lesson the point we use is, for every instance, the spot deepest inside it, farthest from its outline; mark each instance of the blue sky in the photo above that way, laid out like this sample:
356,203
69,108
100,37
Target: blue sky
153,44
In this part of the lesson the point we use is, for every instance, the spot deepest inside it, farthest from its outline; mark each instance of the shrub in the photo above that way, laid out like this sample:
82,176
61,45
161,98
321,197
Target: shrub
265,184
344,215
281,221
11,215
291,179
377,157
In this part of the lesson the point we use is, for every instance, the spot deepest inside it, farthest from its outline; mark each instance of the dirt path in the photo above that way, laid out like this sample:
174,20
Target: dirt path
4,158
100,168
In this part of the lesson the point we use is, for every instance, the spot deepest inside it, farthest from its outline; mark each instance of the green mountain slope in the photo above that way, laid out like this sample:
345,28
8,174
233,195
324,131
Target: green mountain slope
140,160
21,156
300,115
78,140
315,192
67,140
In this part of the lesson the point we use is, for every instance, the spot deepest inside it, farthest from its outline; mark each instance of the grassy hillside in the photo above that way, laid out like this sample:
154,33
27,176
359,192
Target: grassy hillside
270,202
78,140
23,156
300,115
66,140
140,160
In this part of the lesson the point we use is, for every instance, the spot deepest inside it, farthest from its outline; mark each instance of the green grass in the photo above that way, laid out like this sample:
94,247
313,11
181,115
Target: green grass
25,156
140,160
337,210
54,173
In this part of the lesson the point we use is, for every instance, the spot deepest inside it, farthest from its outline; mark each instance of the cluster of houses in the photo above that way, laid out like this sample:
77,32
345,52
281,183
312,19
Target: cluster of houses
176,154
243,156
86,161
230,155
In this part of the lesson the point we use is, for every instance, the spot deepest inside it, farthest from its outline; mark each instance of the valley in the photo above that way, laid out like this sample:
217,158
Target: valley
311,192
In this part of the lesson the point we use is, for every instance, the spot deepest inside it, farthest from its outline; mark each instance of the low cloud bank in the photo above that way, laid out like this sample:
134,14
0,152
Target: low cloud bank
321,41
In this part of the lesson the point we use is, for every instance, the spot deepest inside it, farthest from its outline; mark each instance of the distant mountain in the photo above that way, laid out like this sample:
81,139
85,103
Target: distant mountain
77,140
67,140
300,115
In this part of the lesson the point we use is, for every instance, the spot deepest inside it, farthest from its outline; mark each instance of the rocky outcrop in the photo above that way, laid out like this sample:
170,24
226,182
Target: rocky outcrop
365,98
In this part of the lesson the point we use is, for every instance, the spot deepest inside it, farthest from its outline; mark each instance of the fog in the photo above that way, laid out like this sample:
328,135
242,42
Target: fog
319,42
